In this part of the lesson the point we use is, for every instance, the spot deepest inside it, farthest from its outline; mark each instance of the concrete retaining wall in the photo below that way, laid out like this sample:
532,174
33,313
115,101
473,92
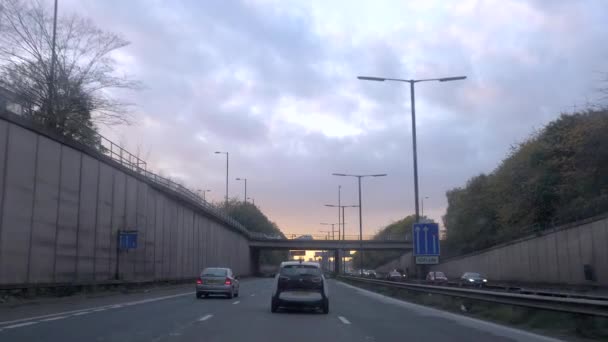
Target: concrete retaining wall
558,256
61,208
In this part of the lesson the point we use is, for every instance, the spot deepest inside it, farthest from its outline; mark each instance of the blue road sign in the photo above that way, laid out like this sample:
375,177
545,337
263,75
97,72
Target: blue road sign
426,239
127,239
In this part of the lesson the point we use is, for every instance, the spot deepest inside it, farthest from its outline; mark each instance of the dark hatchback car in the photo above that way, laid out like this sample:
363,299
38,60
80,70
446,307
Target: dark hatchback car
472,279
300,284
395,275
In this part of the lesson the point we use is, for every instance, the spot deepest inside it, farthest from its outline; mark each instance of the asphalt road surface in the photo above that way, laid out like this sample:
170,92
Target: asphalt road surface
355,315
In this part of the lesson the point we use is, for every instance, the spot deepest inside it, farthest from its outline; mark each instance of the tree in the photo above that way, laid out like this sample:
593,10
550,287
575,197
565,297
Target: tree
254,220
373,259
556,176
75,99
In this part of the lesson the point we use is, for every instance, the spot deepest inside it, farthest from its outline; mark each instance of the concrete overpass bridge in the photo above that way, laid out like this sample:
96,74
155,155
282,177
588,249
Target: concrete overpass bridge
259,242
401,245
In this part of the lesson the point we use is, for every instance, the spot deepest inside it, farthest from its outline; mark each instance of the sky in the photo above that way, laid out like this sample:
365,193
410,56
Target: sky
274,84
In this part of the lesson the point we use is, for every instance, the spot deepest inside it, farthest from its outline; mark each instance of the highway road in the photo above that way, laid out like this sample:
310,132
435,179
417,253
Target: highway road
176,315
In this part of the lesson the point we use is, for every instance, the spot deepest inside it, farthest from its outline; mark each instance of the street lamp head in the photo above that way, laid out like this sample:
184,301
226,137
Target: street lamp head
330,205
380,175
238,179
371,78
339,174
456,78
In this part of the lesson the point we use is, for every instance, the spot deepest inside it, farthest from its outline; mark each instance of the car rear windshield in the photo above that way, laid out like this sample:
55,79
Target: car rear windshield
296,270
214,272
439,274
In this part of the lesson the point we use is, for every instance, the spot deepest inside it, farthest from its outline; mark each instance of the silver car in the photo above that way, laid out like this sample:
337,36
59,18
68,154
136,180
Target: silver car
217,280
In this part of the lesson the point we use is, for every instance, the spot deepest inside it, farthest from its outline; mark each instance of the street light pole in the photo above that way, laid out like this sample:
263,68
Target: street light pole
360,227
244,179
201,191
422,205
339,219
332,228
360,210
413,101
413,107
327,233
227,166
341,207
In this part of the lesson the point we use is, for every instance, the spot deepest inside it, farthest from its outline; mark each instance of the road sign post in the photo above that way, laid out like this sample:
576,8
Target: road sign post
426,243
127,239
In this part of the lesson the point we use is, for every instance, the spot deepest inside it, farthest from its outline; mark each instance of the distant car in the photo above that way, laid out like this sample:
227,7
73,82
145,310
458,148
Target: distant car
436,277
395,275
217,280
300,284
304,237
472,279
371,274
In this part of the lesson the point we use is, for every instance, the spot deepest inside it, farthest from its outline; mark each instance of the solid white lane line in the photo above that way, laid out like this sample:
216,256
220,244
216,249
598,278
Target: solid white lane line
475,323
344,320
238,301
206,317
95,308
253,295
98,310
116,306
81,313
19,325
52,318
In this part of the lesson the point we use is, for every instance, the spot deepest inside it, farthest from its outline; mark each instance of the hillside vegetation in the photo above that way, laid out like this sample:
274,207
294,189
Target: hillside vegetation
373,259
254,220
558,175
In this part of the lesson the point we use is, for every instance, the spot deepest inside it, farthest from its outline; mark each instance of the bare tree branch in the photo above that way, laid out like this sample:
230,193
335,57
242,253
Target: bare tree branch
84,69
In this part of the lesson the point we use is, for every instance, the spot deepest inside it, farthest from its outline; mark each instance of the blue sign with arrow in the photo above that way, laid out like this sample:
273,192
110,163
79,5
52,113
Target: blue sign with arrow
127,239
426,239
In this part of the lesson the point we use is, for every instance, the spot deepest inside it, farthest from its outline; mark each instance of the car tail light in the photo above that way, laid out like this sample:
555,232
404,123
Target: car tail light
199,281
283,278
228,281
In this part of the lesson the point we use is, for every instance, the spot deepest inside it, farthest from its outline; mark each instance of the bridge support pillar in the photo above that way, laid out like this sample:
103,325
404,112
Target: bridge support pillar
254,260
337,261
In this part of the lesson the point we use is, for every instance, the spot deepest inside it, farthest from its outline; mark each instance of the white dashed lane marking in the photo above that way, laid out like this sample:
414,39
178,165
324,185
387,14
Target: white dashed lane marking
22,322
204,318
19,325
52,318
236,302
344,320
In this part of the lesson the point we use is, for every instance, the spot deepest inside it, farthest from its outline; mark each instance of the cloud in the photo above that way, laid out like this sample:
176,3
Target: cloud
275,84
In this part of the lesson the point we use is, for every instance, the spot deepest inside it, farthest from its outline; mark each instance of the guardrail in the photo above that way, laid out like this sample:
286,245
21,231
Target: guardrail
593,307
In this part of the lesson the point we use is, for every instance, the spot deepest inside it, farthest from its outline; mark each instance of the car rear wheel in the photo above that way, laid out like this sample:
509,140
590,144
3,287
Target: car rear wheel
230,294
198,295
274,306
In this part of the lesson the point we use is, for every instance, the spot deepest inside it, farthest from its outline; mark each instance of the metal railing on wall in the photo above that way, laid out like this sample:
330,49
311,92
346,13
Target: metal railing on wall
85,135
